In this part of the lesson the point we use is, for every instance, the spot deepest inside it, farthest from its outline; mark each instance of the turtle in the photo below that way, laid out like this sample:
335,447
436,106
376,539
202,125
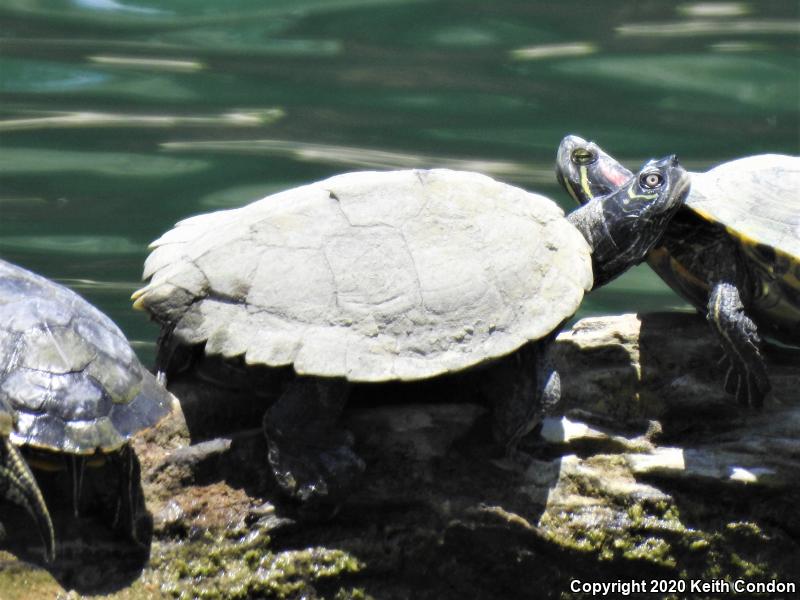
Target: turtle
75,391
732,251
389,276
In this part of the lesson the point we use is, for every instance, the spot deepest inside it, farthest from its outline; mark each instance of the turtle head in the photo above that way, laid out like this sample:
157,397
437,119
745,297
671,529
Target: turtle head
622,226
586,171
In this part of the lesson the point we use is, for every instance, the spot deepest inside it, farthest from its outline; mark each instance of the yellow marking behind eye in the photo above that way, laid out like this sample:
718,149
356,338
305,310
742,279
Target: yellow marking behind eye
633,195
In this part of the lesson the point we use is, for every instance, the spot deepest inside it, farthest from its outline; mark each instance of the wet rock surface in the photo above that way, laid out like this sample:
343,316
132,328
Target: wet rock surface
652,473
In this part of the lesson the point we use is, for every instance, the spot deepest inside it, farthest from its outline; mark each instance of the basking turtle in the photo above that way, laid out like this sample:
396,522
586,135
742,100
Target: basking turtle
732,251
75,389
387,276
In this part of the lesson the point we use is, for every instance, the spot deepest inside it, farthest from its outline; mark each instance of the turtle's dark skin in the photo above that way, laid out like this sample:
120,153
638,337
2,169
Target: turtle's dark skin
310,456
743,286
75,392
624,225
18,485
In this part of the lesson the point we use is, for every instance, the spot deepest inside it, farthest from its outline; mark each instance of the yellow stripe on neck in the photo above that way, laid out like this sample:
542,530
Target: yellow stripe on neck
585,183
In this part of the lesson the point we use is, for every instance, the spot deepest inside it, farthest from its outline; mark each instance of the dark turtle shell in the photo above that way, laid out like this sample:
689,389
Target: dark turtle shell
67,371
757,200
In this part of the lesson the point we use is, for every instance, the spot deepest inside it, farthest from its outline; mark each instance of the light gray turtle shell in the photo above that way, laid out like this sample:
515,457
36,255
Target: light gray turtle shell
372,276
67,372
756,198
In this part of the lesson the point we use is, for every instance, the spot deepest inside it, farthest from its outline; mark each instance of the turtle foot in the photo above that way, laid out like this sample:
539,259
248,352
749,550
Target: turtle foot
746,373
749,386
311,458
315,474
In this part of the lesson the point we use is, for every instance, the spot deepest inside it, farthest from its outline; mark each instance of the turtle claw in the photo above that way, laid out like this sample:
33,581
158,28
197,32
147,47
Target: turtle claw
749,393
747,385
757,389
313,474
752,388
740,392
731,385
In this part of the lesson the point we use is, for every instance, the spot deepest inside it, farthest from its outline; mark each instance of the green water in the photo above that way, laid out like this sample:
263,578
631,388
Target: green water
119,118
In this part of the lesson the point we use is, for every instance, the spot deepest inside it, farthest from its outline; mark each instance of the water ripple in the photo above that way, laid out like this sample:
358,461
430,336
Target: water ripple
371,158
710,28
72,244
58,120
120,164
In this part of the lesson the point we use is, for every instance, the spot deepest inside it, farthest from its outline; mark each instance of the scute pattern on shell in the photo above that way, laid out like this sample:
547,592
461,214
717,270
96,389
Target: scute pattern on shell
757,199
372,276
67,372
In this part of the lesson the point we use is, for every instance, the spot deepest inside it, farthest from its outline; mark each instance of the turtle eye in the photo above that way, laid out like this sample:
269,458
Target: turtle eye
582,156
651,180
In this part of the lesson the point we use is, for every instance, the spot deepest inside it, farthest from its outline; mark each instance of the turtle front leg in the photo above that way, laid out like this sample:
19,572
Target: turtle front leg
746,375
18,485
525,388
311,457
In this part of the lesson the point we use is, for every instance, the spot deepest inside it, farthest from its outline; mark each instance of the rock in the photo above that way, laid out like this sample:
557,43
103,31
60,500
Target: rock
651,473
660,365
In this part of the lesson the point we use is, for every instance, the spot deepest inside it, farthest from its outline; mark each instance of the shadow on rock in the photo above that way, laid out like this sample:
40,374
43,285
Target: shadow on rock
434,477
434,526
